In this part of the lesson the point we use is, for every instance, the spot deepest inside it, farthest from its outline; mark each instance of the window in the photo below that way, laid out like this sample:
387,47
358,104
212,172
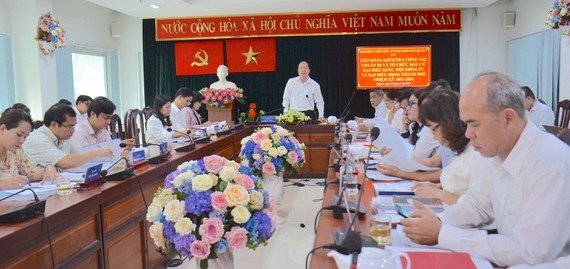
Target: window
89,74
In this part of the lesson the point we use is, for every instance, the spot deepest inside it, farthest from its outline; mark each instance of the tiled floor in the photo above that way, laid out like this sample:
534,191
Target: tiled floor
290,244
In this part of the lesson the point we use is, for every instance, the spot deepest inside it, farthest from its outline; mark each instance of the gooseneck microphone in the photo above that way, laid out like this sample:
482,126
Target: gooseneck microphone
185,148
121,175
312,107
23,212
274,110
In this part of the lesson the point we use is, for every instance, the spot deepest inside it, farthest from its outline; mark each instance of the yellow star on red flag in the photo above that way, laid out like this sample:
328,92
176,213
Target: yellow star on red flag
250,55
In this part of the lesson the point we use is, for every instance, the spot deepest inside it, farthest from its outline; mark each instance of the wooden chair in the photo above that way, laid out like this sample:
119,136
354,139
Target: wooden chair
147,111
38,124
116,127
562,114
135,125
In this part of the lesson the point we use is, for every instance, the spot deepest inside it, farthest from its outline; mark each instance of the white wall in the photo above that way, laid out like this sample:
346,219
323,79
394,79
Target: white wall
483,41
86,25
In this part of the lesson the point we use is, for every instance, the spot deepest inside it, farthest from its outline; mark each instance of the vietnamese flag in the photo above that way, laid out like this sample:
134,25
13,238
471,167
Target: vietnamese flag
251,55
198,57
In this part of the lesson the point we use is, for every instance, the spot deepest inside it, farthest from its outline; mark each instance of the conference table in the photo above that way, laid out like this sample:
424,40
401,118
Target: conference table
106,227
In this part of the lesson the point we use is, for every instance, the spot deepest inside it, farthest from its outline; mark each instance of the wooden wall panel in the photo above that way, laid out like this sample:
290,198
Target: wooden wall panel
125,251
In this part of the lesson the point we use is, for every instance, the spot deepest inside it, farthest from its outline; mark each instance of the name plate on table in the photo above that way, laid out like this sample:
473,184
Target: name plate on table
93,173
138,156
163,148
268,119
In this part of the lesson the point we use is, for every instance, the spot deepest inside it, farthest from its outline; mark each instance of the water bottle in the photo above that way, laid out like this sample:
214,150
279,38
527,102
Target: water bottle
351,179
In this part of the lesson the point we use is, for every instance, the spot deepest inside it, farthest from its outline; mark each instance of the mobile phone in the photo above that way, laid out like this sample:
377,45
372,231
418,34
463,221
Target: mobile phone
403,211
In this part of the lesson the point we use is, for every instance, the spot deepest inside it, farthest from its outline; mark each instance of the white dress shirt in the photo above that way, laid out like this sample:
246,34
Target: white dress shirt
527,195
560,263
156,133
43,147
426,145
177,117
381,110
397,121
303,96
80,117
463,171
540,114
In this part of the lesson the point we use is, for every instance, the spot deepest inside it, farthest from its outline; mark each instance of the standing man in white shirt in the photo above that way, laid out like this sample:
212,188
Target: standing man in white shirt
302,92
539,113
82,103
525,190
182,98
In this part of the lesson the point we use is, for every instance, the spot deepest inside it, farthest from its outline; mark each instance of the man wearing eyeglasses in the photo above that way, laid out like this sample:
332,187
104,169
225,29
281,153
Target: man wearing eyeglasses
51,143
182,98
82,103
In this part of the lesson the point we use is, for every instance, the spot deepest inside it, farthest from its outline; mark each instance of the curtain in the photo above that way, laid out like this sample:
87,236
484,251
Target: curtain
7,89
332,60
534,61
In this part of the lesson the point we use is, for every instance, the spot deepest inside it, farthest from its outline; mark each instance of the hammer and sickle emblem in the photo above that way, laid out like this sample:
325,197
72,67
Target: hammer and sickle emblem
202,56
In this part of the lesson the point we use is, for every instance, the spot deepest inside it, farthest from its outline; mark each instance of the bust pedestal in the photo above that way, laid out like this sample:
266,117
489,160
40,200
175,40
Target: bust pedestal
225,114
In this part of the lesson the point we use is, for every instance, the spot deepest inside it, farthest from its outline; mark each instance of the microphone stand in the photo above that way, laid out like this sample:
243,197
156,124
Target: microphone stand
122,175
24,212
191,146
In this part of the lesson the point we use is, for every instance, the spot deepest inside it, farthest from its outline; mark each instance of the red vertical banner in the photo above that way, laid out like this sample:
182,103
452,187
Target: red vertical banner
198,57
251,55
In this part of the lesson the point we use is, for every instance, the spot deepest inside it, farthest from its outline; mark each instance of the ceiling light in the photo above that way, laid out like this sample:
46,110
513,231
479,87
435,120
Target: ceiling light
154,6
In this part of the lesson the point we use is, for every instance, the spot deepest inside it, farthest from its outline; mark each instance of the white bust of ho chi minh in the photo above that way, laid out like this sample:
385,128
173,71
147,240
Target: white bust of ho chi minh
223,83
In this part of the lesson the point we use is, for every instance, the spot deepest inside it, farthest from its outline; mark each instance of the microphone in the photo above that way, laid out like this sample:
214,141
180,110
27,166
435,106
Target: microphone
190,146
312,109
23,212
343,115
275,110
122,175
162,157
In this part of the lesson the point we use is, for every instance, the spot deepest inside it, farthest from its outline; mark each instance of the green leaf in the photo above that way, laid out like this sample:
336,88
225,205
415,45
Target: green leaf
204,264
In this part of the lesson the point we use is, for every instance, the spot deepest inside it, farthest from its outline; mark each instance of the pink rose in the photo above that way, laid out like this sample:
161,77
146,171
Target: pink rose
220,98
258,137
245,181
236,238
241,95
200,250
226,101
211,230
269,168
302,155
292,157
294,140
216,103
214,163
219,201
272,216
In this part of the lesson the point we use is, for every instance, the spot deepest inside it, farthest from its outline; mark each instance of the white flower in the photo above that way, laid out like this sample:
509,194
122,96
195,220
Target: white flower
282,150
166,195
266,131
153,211
256,200
240,214
184,226
174,210
185,164
179,178
245,139
214,179
282,131
228,173
273,152
256,156
233,164
276,138
245,162
202,183
156,234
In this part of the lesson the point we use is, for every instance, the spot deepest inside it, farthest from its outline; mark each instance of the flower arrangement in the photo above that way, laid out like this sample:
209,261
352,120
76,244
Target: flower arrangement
273,151
50,34
218,98
559,15
251,115
208,207
292,116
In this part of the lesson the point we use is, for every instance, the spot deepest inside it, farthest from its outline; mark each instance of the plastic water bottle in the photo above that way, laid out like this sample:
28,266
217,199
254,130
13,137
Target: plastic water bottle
351,179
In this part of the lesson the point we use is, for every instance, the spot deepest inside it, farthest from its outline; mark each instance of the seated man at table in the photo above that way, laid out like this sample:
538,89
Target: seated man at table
51,143
525,191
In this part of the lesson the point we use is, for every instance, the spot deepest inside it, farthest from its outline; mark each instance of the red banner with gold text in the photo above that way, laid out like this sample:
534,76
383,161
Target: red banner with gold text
251,55
308,24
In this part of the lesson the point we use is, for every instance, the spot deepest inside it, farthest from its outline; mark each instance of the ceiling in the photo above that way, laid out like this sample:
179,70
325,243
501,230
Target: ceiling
204,8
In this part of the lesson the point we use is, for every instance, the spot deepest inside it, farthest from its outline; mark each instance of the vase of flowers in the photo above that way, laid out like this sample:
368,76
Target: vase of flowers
50,35
210,207
292,116
272,152
559,16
